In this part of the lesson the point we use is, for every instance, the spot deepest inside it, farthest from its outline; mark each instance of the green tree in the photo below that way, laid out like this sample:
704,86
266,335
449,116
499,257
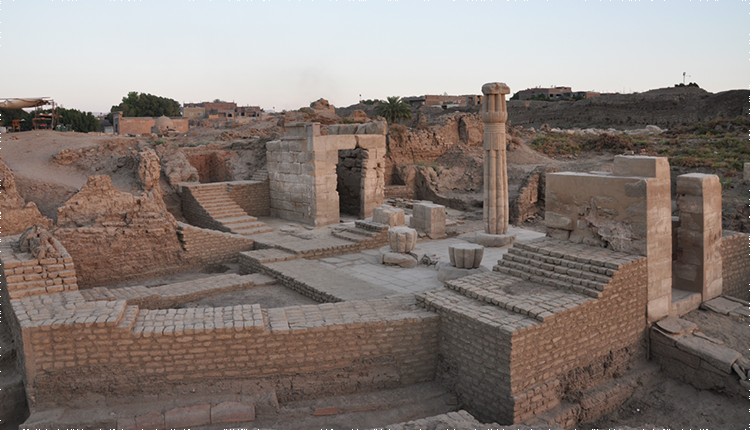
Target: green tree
141,104
393,109
82,122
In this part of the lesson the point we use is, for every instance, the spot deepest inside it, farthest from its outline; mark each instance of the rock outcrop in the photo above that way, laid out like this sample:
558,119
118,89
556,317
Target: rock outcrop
16,214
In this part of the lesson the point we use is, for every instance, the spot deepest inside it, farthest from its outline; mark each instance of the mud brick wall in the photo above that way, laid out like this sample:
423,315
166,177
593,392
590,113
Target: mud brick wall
303,351
26,276
117,253
252,196
574,340
203,246
399,191
132,125
736,264
506,374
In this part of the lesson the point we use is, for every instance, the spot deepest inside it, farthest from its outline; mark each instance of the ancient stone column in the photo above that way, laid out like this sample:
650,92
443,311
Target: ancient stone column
494,115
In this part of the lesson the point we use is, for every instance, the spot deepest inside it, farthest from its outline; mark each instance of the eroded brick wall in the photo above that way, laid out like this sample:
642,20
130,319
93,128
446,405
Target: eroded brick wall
302,351
252,196
510,376
548,360
203,246
735,264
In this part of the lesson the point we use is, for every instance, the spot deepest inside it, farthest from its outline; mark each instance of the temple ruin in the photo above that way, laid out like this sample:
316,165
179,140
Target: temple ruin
558,329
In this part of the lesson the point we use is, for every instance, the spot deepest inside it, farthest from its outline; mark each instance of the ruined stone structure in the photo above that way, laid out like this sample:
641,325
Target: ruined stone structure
303,177
627,210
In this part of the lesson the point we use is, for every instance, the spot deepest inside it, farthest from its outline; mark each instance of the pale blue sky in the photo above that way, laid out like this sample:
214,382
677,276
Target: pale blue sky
88,54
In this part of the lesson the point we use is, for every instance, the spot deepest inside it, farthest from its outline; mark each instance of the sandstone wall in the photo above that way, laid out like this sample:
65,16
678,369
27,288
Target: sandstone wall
302,171
25,275
735,264
628,211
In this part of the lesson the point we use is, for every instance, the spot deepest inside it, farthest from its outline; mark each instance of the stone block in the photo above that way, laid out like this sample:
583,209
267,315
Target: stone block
388,215
196,415
746,173
557,221
232,412
432,217
390,258
466,255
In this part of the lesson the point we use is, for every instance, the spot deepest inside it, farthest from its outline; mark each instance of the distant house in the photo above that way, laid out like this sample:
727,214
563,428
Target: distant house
555,93
143,125
219,110
444,100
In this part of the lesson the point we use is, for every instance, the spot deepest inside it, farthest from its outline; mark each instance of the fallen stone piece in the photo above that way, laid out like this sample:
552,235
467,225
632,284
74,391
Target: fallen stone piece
466,255
720,305
232,412
390,258
676,325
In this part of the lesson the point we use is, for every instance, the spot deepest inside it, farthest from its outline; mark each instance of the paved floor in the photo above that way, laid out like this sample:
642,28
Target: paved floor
364,265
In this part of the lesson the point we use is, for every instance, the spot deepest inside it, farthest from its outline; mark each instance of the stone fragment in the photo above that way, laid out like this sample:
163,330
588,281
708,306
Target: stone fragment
232,412
718,356
720,305
555,220
466,255
402,239
746,173
676,326
739,371
405,260
323,412
196,415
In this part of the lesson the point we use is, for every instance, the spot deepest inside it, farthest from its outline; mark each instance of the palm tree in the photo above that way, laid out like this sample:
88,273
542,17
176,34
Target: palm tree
394,108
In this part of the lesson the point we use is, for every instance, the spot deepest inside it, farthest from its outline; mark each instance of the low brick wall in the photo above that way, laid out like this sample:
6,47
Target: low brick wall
302,351
735,264
28,276
204,246
399,191
252,196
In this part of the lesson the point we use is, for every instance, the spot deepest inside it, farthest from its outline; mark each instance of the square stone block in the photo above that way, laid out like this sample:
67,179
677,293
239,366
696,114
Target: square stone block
388,215
430,218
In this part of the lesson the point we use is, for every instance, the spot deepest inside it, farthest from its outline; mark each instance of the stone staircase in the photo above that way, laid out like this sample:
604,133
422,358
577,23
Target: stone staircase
215,200
514,328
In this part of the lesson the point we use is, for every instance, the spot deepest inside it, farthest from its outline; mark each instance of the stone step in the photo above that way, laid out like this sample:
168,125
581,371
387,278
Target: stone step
559,266
571,276
217,203
349,235
249,224
230,221
269,255
226,213
536,301
546,280
580,253
569,262
251,231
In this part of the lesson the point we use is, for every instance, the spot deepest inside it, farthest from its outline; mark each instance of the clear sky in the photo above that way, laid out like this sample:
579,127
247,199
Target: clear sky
88,54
